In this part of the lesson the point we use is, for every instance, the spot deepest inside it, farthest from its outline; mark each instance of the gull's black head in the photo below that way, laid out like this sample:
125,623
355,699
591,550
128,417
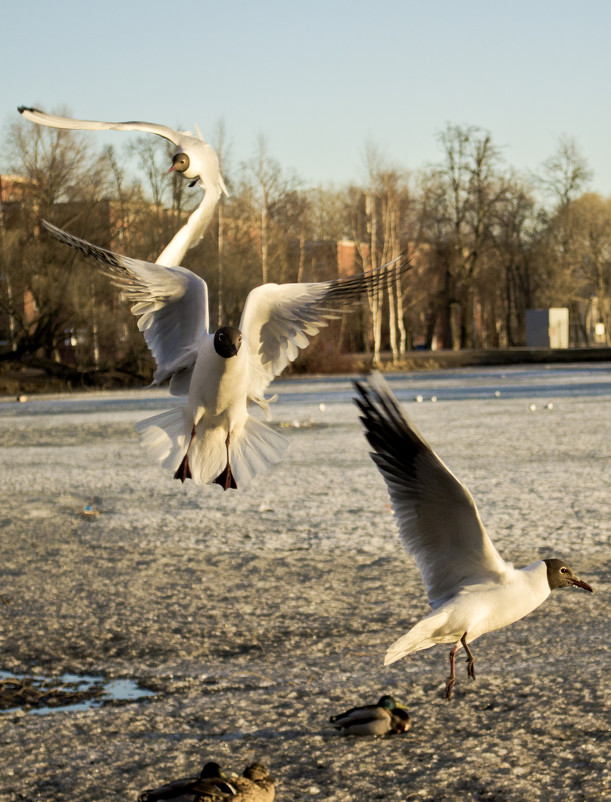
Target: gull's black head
559,575
180,162
227,341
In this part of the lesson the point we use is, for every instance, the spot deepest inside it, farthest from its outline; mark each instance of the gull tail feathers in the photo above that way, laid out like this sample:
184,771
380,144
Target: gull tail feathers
165,436
423,635
254,450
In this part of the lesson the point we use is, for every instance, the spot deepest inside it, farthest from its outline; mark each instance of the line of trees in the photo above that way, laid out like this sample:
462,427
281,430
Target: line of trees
487,243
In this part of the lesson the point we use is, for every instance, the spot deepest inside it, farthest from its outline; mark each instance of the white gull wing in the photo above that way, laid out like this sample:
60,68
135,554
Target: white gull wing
204,163
55,121
171,304
279,319
438,521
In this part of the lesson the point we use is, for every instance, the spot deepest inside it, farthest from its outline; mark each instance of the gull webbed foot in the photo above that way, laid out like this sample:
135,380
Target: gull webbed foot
226,479
183,471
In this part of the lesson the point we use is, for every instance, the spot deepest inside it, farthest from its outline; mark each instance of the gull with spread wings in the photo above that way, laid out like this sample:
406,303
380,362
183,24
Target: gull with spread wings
194,159
471,589
212,437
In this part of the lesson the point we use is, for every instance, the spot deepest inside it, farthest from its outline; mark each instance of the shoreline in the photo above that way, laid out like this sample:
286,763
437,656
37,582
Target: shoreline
23,379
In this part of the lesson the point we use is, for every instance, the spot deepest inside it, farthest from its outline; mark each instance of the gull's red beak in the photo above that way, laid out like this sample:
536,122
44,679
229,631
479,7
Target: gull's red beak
580,583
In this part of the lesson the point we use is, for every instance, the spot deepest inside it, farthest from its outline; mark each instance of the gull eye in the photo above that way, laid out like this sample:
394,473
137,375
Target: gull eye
221,336
180,161
564,570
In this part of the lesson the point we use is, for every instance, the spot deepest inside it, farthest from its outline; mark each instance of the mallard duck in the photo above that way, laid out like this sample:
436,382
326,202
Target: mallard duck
212,784
383,718
255,784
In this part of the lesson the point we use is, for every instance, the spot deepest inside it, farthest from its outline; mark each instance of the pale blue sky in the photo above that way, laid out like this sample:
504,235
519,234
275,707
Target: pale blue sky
321,79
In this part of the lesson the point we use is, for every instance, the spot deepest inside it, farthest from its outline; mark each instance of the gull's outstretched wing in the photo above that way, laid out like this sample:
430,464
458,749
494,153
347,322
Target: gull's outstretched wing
171,304
54,121
438,521
279,319
203,165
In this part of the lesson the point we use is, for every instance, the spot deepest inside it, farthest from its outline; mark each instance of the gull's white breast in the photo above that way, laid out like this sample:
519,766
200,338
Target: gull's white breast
478,609
218,389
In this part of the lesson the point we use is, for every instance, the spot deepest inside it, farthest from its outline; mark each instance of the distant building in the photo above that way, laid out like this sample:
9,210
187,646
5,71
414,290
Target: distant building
547,328
321,260
12,188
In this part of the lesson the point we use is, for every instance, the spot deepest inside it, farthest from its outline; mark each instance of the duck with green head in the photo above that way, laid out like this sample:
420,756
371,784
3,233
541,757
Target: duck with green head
383,718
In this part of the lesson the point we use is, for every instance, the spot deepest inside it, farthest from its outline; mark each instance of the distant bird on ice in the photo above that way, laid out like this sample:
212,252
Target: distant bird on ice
194,159
471,589
383,718
211,437
212,783
253,785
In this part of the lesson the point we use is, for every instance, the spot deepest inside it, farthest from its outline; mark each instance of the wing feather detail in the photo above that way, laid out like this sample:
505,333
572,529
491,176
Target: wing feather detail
280,319
68,123
439,524
171,303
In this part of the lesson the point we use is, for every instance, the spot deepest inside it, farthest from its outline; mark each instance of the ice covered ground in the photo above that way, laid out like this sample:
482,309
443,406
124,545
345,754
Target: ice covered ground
256,614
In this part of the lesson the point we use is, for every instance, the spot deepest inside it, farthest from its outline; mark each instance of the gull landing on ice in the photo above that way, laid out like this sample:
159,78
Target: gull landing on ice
211,437
470,588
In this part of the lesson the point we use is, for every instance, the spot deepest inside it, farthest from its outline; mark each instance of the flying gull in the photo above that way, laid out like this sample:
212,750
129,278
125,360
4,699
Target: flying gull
211,437
194,159
470,588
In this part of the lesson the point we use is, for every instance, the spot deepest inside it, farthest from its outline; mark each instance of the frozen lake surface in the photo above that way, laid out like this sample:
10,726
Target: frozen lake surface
256,614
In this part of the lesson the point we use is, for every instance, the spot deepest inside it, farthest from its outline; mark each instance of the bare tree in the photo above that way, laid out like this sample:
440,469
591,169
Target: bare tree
265,181
60,172
566,173
515,235
221,231
460,198
563,176
594,214
59,165
375,296
575,259
276,210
